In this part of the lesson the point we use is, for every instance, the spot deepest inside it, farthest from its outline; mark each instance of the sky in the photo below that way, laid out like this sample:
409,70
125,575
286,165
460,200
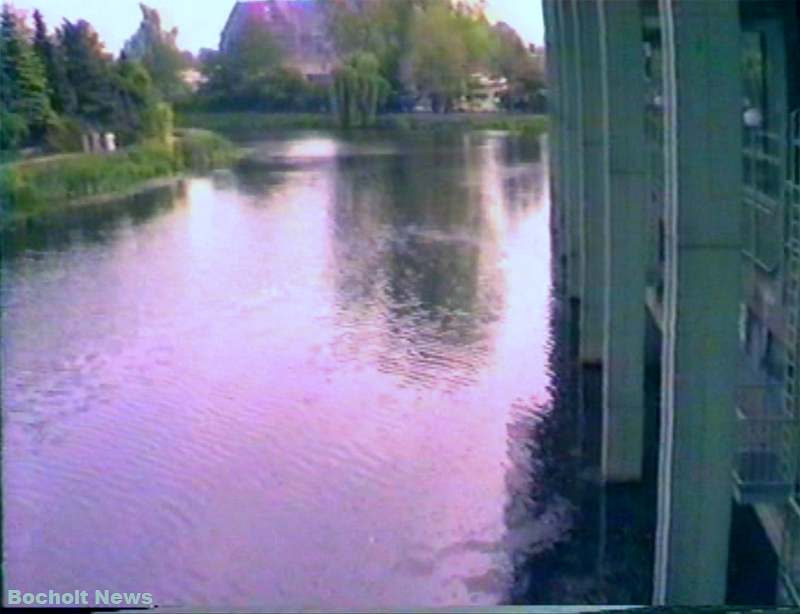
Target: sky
200,22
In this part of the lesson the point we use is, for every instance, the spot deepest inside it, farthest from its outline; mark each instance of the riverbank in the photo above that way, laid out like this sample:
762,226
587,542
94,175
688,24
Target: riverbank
246,123
34,187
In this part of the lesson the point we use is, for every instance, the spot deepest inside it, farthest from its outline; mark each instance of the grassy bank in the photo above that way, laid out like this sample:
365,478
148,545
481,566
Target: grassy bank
33,187
242,124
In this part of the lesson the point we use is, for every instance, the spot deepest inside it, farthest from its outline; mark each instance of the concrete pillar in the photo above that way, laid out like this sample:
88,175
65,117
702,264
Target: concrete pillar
561,82
573,151
702,150
625,196
591,195
554,139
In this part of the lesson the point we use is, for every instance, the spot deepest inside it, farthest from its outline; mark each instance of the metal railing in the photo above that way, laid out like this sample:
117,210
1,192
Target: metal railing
790,557
763,185
762,154
792,286
764,461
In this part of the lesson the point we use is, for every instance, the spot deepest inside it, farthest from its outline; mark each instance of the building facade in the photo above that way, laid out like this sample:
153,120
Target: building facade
675,183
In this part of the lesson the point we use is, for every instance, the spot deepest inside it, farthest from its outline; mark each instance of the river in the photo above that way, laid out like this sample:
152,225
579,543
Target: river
306,383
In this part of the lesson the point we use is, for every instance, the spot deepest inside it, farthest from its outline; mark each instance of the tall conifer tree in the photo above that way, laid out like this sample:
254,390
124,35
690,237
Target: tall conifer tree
62,95
23,83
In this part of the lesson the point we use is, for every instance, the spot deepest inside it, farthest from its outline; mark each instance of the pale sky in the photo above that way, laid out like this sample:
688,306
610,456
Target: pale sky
200,22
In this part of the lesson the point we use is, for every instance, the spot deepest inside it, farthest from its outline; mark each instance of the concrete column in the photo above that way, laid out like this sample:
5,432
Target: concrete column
591,196
624,174
562,109
554,139
702,150
573,151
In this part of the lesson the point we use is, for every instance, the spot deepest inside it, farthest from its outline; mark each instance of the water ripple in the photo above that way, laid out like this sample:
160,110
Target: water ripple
295,386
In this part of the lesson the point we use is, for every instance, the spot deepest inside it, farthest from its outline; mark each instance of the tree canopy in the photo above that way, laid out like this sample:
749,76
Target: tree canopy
24,101
417,49
252,74
431,48
391,55
358,90
158,52
55,86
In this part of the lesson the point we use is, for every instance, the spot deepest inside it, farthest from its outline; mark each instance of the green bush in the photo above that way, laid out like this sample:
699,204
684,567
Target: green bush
13,130
159,121
201,150
64,134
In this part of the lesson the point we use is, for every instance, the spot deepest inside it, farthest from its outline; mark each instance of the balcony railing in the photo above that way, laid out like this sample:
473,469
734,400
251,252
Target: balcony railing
765,453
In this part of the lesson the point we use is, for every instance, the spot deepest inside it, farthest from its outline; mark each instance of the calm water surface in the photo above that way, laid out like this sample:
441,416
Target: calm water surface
303,384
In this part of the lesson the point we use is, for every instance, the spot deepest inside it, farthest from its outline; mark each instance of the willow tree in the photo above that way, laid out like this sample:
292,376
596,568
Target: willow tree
358,91
379,27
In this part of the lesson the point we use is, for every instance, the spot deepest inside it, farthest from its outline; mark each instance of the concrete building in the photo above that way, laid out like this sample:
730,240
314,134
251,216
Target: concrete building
675,182
299,27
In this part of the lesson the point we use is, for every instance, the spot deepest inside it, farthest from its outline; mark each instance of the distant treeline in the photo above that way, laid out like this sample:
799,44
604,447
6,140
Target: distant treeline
392,54
56,87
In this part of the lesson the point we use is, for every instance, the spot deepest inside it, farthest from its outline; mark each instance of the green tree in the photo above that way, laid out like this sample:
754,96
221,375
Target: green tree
381,28
240,76
513,60
89,71
23,83
14,130
255,50
62,95
423,47
253,56
165,63
158,52
358,91
440,55
286,89
136,100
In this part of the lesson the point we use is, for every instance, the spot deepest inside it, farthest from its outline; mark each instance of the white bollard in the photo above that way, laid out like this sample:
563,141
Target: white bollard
97,144
110,141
